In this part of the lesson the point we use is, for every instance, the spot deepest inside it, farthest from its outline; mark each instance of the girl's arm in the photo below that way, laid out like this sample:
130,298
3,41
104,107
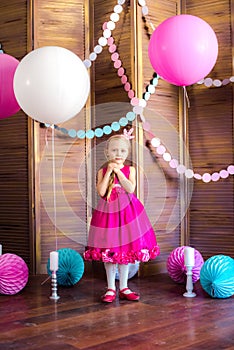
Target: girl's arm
128,184
103,181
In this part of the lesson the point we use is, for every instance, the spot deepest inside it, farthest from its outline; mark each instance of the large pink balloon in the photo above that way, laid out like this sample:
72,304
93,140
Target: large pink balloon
183,49
8,103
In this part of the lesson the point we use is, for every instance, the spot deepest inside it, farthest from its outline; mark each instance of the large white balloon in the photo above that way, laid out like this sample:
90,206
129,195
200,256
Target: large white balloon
51,84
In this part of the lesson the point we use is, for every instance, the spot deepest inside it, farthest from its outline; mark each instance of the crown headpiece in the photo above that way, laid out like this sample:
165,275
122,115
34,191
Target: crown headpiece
128,134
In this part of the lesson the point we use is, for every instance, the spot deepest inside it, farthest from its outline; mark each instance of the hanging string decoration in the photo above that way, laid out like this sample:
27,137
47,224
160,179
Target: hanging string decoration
138,104
209,82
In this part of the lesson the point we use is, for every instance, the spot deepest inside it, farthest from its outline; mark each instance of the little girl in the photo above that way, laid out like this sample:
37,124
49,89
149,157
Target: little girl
120,231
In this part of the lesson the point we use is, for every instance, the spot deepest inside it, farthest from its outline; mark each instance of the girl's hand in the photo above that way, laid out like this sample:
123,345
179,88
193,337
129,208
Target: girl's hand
130,183
112,167
116,169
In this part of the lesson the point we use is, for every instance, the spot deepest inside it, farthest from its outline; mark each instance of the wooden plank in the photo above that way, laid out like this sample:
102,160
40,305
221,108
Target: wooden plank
80,321
211,140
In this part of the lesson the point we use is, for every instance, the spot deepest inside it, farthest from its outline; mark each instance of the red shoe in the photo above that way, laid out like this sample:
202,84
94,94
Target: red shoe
130,296
108,298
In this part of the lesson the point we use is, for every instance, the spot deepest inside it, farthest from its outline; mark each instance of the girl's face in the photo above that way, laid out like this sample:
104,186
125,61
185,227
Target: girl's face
117,151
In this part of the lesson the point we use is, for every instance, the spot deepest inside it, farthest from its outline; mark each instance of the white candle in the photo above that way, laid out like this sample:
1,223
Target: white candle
0,249
53,261
189,259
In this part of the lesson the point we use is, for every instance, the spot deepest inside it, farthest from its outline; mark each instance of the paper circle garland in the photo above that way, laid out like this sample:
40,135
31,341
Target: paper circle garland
176,268
217,276
183,49
51,84
71,267
8,103
13,274
133,269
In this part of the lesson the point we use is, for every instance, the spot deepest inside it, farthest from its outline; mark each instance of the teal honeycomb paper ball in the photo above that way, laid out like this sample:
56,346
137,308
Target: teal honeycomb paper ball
70,267
217,276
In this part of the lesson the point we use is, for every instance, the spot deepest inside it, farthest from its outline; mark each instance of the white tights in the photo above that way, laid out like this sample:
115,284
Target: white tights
111,272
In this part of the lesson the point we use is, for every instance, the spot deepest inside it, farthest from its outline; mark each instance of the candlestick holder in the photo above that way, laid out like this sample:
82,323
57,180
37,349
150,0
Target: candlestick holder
189,283
54,295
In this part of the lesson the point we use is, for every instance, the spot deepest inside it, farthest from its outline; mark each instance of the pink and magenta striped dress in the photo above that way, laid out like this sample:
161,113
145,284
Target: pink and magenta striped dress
120,230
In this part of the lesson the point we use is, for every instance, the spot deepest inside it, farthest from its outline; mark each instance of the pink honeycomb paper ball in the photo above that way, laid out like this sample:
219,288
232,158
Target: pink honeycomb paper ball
13,274
176,268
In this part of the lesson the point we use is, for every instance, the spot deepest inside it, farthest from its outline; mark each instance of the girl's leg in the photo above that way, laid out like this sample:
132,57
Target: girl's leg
124,291
110,276
123,276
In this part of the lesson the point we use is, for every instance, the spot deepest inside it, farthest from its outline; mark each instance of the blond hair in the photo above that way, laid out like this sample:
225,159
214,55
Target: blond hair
112,176
120,137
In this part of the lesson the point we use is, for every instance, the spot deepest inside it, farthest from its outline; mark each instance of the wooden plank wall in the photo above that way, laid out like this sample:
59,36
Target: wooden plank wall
211,135
15,203
60,23
162,187
64,23
109,98
161,190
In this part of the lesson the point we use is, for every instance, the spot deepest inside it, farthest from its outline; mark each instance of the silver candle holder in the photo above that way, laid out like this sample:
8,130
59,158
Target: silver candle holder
54,264
54,295
189,261
189,283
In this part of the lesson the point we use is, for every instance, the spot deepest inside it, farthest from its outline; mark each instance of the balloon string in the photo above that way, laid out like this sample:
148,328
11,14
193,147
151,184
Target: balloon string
54,191
186,96
45,280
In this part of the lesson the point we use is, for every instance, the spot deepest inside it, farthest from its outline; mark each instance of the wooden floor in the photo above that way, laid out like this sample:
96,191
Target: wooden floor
162,319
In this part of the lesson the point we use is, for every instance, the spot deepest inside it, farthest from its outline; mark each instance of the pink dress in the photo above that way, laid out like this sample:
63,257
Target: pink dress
120,230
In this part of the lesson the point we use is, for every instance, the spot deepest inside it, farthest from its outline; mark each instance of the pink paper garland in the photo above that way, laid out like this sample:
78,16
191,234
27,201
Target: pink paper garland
140,104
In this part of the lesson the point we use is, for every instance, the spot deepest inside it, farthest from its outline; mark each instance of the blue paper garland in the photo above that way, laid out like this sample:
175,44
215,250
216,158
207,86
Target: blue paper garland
98,132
